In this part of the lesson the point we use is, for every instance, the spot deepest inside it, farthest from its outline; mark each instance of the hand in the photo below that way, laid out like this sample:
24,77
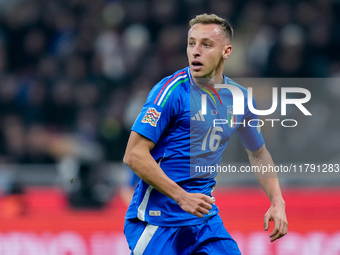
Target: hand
278,215
196,203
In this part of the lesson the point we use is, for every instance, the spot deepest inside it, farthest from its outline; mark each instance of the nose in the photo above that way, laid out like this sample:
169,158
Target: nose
196,51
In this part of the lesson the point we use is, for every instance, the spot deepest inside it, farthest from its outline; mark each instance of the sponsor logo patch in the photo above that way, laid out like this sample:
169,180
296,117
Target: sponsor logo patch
154,213
151,116
198,116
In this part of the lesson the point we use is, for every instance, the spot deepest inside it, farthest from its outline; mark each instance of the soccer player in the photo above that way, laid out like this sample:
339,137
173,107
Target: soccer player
172,210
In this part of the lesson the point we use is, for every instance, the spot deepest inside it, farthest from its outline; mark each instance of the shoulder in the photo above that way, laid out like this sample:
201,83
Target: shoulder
234,83
176,85
244,90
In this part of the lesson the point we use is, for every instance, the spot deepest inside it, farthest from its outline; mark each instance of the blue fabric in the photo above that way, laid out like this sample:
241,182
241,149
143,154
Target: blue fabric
183,140
210,238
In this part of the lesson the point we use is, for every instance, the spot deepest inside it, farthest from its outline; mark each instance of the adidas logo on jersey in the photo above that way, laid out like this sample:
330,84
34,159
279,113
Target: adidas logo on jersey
198,116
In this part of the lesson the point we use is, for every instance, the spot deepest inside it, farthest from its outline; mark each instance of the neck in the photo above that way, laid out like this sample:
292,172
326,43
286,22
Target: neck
200,82
211,81
216,77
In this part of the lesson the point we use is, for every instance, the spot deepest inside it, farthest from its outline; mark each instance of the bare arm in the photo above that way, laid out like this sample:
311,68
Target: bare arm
139,159
270,184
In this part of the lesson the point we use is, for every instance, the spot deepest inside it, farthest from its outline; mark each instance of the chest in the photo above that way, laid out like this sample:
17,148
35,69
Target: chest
217,125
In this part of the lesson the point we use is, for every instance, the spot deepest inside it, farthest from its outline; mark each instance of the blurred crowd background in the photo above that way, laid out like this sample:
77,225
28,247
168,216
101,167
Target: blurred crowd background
74,74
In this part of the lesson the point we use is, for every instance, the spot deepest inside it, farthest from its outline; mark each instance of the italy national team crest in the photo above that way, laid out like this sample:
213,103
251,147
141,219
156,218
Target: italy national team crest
151,116
232,120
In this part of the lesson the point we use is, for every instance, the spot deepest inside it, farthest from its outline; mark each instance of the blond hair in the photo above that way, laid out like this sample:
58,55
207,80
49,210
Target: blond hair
213,19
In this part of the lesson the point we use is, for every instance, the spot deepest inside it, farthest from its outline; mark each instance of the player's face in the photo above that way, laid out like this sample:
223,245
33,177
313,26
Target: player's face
207,49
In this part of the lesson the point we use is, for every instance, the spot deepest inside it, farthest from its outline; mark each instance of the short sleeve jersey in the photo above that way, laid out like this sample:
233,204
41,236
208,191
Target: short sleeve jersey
184,138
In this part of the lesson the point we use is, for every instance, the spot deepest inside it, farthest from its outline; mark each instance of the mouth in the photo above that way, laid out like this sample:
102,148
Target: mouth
196,65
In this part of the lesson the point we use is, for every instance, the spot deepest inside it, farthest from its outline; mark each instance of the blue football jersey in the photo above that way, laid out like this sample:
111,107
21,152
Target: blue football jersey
184,139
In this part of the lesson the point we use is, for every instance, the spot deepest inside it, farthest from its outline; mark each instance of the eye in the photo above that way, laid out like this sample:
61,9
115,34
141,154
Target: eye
191,43
207,45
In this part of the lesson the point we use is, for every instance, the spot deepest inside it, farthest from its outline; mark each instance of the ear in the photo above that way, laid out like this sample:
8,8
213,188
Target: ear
227,51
